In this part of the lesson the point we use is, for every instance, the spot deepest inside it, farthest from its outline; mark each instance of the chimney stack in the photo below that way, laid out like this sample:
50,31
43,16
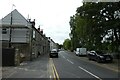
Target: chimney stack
41,31
29,20
39,28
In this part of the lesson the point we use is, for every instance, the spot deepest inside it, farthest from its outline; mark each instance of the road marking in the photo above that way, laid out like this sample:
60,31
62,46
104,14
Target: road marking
11,74
57,76
90,73
53,74
64,57
50,76
54,71
70,61
26,69
51,65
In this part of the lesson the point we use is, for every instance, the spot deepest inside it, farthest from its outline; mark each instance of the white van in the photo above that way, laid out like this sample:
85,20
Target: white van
81,51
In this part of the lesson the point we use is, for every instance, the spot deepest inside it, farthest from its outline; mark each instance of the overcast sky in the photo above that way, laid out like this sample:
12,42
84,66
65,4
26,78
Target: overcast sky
52,15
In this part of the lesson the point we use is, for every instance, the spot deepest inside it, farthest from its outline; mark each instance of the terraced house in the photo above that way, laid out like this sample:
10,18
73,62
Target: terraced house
21,34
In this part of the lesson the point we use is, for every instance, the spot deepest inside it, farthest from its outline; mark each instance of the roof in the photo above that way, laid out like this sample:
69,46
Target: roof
17,19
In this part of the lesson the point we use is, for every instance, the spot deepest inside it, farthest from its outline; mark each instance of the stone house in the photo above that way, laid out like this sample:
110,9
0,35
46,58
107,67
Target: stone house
20,33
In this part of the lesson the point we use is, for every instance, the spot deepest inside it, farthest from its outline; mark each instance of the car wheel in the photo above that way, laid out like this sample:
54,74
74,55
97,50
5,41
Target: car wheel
50,56
111,61
89,58
98,60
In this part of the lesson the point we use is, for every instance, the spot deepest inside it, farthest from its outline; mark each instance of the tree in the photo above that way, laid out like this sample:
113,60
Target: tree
67,44
93,22
60,46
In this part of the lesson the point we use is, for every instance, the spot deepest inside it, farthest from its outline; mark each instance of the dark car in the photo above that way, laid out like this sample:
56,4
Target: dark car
54,53
99,56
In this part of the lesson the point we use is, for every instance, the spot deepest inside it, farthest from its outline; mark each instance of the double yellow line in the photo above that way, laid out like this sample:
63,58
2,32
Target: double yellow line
54,71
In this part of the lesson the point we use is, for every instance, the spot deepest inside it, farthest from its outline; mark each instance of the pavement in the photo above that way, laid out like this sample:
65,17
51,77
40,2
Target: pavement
115,65
38,68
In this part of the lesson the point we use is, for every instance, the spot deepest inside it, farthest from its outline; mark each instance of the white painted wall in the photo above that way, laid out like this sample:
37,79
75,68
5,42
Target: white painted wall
6,36
18,35
52,45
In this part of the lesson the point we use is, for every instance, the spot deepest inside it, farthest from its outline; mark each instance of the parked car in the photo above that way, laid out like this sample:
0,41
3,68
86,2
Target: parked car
54,53
81,52
59,50
99,56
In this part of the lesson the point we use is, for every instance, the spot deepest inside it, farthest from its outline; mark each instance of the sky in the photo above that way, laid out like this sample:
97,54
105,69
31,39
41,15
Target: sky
53,16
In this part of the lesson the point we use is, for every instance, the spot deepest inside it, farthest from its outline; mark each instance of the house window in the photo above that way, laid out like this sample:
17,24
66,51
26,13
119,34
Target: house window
33,34
4,31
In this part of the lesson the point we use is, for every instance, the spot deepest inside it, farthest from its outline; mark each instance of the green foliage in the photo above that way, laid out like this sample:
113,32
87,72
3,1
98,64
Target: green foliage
59,46
93,22
67,44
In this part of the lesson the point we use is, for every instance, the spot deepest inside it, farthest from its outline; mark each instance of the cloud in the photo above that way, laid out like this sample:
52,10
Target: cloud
52,15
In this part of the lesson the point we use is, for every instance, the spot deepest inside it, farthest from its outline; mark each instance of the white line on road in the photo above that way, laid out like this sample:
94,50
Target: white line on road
90,73
11,74
64,57
50,76
70,61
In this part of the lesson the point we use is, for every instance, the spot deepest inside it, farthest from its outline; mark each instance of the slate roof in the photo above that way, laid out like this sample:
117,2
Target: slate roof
17,19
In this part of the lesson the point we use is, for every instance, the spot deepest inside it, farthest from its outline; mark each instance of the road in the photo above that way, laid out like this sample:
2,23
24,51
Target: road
66,66
70,66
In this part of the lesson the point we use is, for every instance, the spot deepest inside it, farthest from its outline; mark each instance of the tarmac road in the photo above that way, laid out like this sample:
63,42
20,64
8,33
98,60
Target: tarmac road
71,66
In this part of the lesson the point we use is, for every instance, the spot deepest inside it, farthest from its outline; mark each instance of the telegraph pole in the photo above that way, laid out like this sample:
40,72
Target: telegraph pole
11,22
10,30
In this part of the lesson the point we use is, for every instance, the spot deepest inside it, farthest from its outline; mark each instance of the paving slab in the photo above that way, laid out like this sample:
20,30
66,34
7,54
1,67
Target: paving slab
38,68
